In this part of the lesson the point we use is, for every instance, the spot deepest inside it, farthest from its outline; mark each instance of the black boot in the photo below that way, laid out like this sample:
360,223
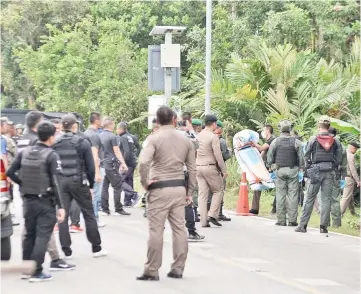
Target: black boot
196,217
301,229
223,217
323,230
214,221
147,278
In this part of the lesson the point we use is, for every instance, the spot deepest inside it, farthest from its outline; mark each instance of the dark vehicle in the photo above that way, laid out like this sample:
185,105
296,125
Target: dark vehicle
18,115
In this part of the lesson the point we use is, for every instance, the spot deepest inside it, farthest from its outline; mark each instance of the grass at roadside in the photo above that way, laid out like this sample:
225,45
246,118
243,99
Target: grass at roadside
350,223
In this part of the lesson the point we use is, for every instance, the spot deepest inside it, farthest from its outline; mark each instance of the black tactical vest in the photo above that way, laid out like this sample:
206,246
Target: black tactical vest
131,146
66,147
28,139
319,154
286,153
34,176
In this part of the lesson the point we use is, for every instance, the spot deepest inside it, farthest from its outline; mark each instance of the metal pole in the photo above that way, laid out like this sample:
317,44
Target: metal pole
168,73
208,56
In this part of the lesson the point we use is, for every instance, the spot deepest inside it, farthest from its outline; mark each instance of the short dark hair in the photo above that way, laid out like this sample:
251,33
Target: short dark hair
186,115
94,116
32,118
270,128
165,115
122,125
55,121
45,131
154,121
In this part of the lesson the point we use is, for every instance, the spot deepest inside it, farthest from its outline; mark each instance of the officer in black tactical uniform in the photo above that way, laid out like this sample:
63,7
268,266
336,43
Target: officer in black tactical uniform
30,138
128,149
323,156
39,169
78,171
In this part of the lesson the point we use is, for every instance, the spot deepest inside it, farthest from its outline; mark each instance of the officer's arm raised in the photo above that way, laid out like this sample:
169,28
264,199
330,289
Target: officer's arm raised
145,159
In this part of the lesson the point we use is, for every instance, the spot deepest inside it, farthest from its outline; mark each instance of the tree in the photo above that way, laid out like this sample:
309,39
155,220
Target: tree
90,67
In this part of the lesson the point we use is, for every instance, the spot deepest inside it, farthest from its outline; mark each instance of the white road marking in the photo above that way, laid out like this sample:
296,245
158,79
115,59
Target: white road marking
319,282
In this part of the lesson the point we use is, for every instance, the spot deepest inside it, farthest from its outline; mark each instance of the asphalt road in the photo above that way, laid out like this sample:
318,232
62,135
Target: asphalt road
246,255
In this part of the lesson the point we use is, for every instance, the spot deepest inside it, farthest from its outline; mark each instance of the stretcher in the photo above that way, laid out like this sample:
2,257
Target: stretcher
250,161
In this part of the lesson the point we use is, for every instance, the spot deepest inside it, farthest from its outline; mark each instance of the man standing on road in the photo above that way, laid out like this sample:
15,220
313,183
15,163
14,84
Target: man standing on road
97,150
127,148
190,212
39,169
30,138
78,170
211,172
267,135
226,154
322,157
285,153
352,179
114,163
161,172
137,149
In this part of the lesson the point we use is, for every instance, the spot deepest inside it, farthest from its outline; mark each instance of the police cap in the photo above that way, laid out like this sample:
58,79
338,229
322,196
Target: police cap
285,125
219,124
68,120
19,126
356,145
196,122
324,119
210,118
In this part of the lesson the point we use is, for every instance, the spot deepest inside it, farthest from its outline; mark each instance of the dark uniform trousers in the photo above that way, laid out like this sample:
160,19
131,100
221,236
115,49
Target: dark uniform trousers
114,178
190,219
325,184
72,188
40,219
129,176
163,204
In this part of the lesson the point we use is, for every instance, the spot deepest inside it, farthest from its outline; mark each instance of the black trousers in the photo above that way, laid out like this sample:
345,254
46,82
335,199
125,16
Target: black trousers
40,219
129,176
72,188
74,214
114,178
190,219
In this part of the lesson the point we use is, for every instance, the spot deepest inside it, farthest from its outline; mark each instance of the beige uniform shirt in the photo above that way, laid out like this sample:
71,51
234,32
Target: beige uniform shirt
351,167
163,156
209,151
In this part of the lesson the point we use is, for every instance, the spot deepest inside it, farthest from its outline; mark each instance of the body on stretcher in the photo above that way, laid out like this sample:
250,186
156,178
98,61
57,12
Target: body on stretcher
250,161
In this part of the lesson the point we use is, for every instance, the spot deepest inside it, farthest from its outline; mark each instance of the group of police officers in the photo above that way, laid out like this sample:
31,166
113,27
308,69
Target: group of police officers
182,165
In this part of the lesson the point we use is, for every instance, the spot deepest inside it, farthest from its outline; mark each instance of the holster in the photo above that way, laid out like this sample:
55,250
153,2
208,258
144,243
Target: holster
313,173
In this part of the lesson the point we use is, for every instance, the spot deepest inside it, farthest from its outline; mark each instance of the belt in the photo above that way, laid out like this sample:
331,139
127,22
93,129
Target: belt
166,184
206,164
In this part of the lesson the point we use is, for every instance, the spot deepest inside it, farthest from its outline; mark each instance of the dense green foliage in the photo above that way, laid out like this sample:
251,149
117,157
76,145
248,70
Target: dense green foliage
276,59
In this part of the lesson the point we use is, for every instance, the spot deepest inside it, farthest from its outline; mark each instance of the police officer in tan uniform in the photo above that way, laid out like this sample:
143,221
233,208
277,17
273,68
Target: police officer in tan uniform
211,171
161,173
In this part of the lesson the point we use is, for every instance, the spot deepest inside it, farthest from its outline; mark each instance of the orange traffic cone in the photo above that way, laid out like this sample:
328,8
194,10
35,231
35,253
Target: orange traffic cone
242,204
